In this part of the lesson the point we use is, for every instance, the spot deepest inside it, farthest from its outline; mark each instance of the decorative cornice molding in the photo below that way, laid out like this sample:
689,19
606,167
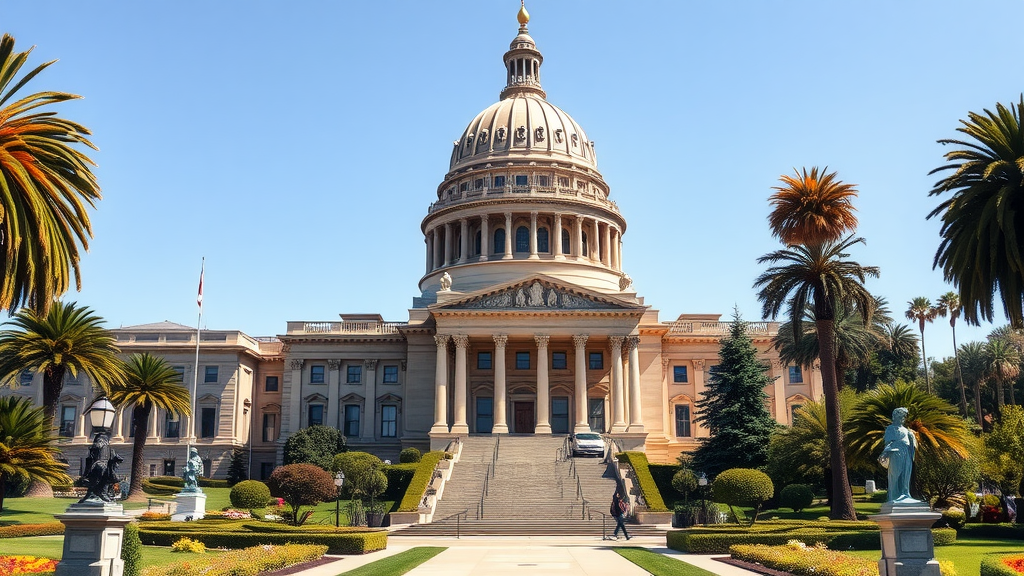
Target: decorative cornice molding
296,364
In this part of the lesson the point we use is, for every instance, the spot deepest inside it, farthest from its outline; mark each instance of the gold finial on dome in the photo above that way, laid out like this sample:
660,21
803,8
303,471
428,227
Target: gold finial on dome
523,15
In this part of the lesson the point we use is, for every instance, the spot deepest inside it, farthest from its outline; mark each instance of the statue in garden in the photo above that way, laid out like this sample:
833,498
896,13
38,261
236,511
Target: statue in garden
898,456
192,471
100,472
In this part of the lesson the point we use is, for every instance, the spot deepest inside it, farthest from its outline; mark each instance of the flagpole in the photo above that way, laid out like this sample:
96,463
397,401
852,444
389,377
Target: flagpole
195,372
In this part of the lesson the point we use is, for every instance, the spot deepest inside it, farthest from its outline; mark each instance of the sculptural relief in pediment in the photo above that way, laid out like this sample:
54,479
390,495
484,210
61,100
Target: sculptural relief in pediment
535,296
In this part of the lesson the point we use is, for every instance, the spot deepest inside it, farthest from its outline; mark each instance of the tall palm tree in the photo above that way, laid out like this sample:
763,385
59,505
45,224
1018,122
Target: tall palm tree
980,249
27,445
974,364
921,309
820,275
949,303
1003,367
45,185
150,382
67,339
812,208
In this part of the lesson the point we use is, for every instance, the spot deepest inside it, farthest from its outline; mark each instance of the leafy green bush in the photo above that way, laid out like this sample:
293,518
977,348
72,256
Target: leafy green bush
944,536
955,518
409,456
662,475
638,460
742,487
419,482
1001,565
131,550
186,544
399,477
315,445
22,530
796,496
247,562
302,485
249,494
336,542
1003,531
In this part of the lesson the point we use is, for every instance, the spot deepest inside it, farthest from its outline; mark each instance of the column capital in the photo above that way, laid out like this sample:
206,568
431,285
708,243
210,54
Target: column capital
461,340
296,364
441,340
370,364
541,340
580,340
508,215
333,364
500,340
698,363
632,342
776,363
615,342
579,218
533,214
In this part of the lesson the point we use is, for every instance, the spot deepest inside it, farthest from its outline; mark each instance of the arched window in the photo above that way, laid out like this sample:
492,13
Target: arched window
499,241
566,244
522,239
586,249
477,243
542,240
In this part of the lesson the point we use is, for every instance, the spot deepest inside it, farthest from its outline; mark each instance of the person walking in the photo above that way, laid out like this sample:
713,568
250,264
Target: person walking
619,509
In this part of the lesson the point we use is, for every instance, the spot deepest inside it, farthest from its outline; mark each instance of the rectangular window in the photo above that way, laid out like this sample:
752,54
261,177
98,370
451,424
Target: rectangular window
181,372
67,421
172,426
316,415
522,360
596,361
169,467
271,384
478,183
796,375
499,181
683,420
269,427
266,469
70,380
210,375
353,374
351,420
484,414
563,181
391,374
316,374
152,470
463,187
522,180
209,423
679,374
558,361
560,415
389,421
26,378
483,361
543,181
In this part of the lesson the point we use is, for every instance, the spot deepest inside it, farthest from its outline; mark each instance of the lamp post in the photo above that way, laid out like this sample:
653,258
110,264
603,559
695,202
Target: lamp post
703,483
101,464
339,481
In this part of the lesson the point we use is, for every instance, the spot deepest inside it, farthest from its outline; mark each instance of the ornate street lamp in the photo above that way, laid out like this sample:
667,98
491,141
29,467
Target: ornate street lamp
101,464
703,483
339,481
101,415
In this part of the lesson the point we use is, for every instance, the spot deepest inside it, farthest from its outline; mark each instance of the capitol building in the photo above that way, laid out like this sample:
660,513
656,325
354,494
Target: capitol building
525,322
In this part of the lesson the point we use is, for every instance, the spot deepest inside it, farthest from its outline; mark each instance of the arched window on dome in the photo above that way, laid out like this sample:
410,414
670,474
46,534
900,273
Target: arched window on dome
499,241
566,244
477,243
542,240
522,239
586,249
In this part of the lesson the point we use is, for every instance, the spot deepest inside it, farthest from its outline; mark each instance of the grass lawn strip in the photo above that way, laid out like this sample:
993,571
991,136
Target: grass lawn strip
658,564
53,547
966,554
398,564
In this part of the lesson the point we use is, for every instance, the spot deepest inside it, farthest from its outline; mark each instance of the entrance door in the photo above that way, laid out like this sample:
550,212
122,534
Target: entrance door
524,417
560,415
595,414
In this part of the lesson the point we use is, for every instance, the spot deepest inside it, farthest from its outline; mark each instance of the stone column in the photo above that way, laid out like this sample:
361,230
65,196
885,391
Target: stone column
463,241
606,242
500,421
579,237
543,392
618,397
461,344
441,386
508,236
614,248
699,431
580,341
533,236
636,420
333,416
430,255
370,418
436,246
559,249
447,243
117,434
778,392
595,255
817,386
485,239
294,400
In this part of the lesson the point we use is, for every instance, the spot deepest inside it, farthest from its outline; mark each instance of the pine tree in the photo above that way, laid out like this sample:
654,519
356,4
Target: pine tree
239,468
733,407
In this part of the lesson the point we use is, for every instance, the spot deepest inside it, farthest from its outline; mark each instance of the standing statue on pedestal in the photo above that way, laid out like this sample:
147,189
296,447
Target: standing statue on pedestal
192,471
898,457
100,471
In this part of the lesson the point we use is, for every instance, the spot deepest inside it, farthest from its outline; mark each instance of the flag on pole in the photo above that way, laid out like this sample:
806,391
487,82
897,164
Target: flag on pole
199,299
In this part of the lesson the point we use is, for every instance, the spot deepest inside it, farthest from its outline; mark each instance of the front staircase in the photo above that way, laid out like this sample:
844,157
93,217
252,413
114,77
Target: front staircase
524,485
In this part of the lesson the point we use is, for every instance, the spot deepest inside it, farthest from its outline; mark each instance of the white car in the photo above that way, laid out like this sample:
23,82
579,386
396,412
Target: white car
587,444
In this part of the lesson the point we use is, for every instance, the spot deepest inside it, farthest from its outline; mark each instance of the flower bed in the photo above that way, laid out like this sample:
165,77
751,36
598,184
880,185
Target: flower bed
22,530
801,560
18,565
836,535
1012,565
246,562
236,534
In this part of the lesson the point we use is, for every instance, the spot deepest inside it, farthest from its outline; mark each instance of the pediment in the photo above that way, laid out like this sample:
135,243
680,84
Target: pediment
538,293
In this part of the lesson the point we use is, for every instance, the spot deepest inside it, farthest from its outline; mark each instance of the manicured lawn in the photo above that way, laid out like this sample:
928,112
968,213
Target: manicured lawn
659,564
966,554
41,510
53,547
863,507
398,564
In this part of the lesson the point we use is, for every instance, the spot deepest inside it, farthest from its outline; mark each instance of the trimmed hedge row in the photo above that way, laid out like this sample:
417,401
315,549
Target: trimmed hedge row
418,484
1001,531
158,489
662,475
805,561
178,482
399,477
1000,565
720,542
21,530
275,528
247,562
337,543
638,460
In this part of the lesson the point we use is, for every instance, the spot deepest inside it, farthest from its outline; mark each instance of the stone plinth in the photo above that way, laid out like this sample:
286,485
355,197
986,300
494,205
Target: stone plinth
907,545
191,506
629,441
93,535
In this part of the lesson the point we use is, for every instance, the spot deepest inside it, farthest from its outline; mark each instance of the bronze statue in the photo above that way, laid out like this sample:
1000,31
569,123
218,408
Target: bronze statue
100,471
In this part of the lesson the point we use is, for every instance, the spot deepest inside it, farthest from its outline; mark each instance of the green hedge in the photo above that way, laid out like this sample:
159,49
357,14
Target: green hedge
178,482
638,460
337,543
1001,531
995,565
158,489
805,561
662,475
131,550
706,541
21,530
420,480
399,478
276,528
246,562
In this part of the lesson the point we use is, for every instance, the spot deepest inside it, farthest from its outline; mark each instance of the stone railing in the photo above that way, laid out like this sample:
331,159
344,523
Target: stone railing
529,190
700,328
367,327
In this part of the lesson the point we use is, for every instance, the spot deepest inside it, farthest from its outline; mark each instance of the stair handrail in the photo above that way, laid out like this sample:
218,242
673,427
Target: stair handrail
457,516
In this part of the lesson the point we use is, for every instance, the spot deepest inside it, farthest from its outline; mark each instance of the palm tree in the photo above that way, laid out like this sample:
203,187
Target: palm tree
812,208
27,445
47,184
150,382
949,303
820,275
1003,366
920,309
974,363
980,248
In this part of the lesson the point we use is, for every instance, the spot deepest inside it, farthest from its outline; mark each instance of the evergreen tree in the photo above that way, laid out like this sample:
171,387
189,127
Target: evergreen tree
733,407
239,469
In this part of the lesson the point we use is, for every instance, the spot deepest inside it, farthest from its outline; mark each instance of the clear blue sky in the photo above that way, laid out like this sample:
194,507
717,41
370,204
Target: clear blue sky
297,145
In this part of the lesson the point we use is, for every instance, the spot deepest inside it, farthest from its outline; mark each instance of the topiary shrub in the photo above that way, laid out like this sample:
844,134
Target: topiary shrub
409,456
250,494
742,487
796,496
131,550
301,485
314,445
955,518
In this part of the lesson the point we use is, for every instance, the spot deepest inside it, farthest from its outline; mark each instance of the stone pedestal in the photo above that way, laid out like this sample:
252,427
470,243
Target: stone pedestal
190,506
869,487
93,535
907,546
